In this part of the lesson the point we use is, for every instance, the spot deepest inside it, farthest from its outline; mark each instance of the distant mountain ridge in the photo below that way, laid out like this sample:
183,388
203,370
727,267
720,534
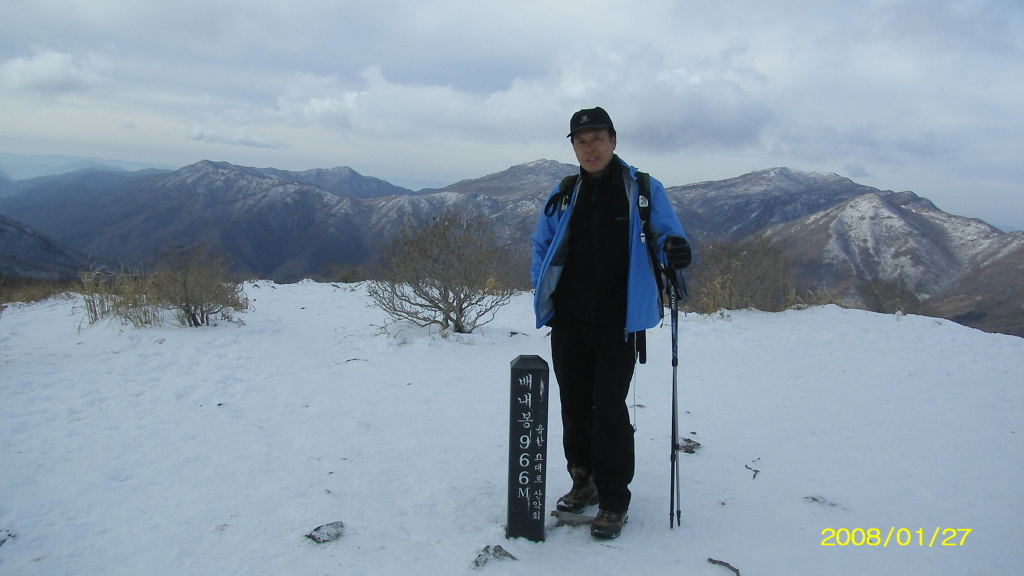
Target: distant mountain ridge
341,181
24,167
25,253
289,225
738,207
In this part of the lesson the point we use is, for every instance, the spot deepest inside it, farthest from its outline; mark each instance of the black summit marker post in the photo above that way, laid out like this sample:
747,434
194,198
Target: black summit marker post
527,448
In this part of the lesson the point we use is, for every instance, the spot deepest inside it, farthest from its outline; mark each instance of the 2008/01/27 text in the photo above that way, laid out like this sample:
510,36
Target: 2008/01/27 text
895,536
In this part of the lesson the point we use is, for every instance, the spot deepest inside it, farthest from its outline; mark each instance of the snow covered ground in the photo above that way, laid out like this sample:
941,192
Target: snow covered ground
174,451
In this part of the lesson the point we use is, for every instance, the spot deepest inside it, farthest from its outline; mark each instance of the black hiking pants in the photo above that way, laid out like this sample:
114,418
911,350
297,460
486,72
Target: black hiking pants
594,367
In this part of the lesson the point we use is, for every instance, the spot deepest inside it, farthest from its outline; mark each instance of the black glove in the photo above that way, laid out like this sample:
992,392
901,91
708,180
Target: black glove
677,252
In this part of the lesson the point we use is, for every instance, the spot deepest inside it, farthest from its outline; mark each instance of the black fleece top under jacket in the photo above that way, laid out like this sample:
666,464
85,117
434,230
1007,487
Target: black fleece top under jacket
592,288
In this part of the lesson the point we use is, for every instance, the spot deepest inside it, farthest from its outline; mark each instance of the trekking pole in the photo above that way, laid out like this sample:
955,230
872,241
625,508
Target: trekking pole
674,491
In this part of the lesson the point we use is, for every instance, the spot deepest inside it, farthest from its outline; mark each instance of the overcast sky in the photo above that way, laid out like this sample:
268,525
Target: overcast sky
918,95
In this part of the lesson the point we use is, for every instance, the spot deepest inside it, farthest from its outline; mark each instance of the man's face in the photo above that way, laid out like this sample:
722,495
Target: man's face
594,150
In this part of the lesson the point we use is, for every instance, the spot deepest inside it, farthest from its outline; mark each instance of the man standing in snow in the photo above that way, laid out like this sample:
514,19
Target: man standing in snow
595,286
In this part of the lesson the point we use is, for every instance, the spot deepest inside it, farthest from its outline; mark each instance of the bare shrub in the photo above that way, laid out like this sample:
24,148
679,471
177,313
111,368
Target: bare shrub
445,273
751,274
817,297
754,273
124,295
335,272
189,281
197,284
30,290
890,296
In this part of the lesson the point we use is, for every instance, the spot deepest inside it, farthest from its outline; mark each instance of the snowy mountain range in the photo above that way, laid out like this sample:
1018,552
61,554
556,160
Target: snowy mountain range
289,225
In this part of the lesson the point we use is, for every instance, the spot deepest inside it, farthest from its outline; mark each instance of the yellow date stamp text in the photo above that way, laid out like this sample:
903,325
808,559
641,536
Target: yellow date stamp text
894,537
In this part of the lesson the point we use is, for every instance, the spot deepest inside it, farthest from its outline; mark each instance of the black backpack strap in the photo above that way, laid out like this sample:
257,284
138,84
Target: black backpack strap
562,196
643,207
643,201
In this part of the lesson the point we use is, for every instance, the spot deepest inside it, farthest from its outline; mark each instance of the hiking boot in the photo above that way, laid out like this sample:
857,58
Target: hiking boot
583,493
607,524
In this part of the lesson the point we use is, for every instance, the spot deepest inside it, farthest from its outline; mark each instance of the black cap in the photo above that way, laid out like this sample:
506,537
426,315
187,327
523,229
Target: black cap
593,118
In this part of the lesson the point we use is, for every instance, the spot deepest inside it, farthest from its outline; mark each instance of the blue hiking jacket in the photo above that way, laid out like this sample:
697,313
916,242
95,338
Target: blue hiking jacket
550,247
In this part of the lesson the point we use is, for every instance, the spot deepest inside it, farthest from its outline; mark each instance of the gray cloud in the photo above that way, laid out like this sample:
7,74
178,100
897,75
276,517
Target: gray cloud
908,94
47,72
236,138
